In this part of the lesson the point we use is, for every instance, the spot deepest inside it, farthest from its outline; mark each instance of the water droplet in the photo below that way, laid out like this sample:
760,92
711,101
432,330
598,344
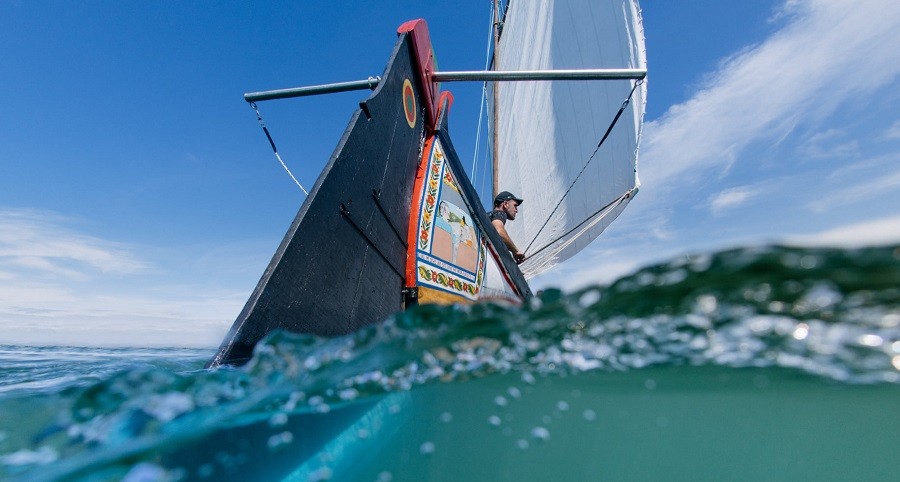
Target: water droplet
280,439
562,406
322,473
278,419
494,420
500,401
540,433
146,471
426,448
589,415
871,340
348,394
514,392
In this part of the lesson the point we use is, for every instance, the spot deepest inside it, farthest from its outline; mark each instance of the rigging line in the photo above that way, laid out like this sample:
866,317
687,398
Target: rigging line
607,206
275,149
487,60
602,140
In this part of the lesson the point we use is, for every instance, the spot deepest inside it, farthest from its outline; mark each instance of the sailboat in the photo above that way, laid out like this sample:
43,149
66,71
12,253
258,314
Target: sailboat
393,221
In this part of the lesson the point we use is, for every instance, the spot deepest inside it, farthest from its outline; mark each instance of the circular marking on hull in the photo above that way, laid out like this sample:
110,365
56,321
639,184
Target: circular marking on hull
409,103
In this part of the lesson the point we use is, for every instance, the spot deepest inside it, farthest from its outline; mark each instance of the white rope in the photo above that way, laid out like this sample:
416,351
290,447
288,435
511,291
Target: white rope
291,174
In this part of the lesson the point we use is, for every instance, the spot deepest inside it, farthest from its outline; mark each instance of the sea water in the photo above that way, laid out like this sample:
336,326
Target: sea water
769,363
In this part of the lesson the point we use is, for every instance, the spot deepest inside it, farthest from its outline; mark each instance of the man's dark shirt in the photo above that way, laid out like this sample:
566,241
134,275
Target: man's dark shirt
499,215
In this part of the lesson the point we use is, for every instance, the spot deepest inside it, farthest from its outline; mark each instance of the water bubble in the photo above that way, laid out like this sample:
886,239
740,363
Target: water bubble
650,384
205,471
278,419
494,420
385,477
322,473
145,472
514,392
280,439
446,417
522,443
589,415
890,320
348,394
562,405
589,298
528,378
362,433
426,448
394,409
706,304
500,401
547,419
873,341
540,433
801,331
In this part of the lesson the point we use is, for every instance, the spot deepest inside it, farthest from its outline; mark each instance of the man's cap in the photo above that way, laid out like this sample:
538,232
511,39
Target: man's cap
506,196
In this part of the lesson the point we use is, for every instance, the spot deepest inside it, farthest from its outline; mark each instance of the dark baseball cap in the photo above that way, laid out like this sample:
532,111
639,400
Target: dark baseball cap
506,196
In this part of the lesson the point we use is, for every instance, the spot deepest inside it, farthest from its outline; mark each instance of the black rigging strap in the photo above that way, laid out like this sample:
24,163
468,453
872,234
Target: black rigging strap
602,140
275,149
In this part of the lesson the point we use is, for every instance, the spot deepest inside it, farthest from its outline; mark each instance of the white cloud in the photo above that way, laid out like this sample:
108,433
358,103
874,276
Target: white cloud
866,190
893,132
829,54
60,286
40,242
884,231
829,144
732,198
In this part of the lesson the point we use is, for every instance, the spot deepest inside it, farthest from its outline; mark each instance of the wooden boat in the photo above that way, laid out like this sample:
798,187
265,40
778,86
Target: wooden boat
393,220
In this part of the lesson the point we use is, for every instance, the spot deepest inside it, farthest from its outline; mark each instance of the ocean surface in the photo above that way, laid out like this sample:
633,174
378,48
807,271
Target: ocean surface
769,363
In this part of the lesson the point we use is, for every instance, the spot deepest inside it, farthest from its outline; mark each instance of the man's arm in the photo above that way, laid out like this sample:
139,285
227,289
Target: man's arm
501,230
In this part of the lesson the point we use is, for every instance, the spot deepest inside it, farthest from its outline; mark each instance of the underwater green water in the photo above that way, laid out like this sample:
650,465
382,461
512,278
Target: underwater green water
751,364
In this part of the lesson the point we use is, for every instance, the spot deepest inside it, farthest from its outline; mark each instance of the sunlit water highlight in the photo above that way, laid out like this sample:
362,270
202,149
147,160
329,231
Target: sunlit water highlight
750,364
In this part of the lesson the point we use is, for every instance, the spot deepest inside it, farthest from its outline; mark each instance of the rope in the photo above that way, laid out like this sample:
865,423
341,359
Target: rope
275,149
612,203
487,61
602,140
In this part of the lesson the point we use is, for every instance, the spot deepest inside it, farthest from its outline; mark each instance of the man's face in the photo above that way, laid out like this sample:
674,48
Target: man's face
511,208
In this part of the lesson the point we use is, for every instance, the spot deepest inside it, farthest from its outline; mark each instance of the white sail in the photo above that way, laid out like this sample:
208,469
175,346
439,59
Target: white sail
548,131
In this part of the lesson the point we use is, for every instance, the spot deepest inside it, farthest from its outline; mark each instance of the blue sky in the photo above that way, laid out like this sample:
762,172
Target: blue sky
140,203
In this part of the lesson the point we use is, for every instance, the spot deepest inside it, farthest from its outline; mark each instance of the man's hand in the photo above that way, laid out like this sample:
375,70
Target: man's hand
519,257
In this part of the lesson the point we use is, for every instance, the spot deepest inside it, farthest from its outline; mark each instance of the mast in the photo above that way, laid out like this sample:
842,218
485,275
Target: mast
495,118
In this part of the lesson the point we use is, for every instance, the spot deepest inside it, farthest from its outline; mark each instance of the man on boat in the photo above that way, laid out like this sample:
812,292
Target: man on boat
506,205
